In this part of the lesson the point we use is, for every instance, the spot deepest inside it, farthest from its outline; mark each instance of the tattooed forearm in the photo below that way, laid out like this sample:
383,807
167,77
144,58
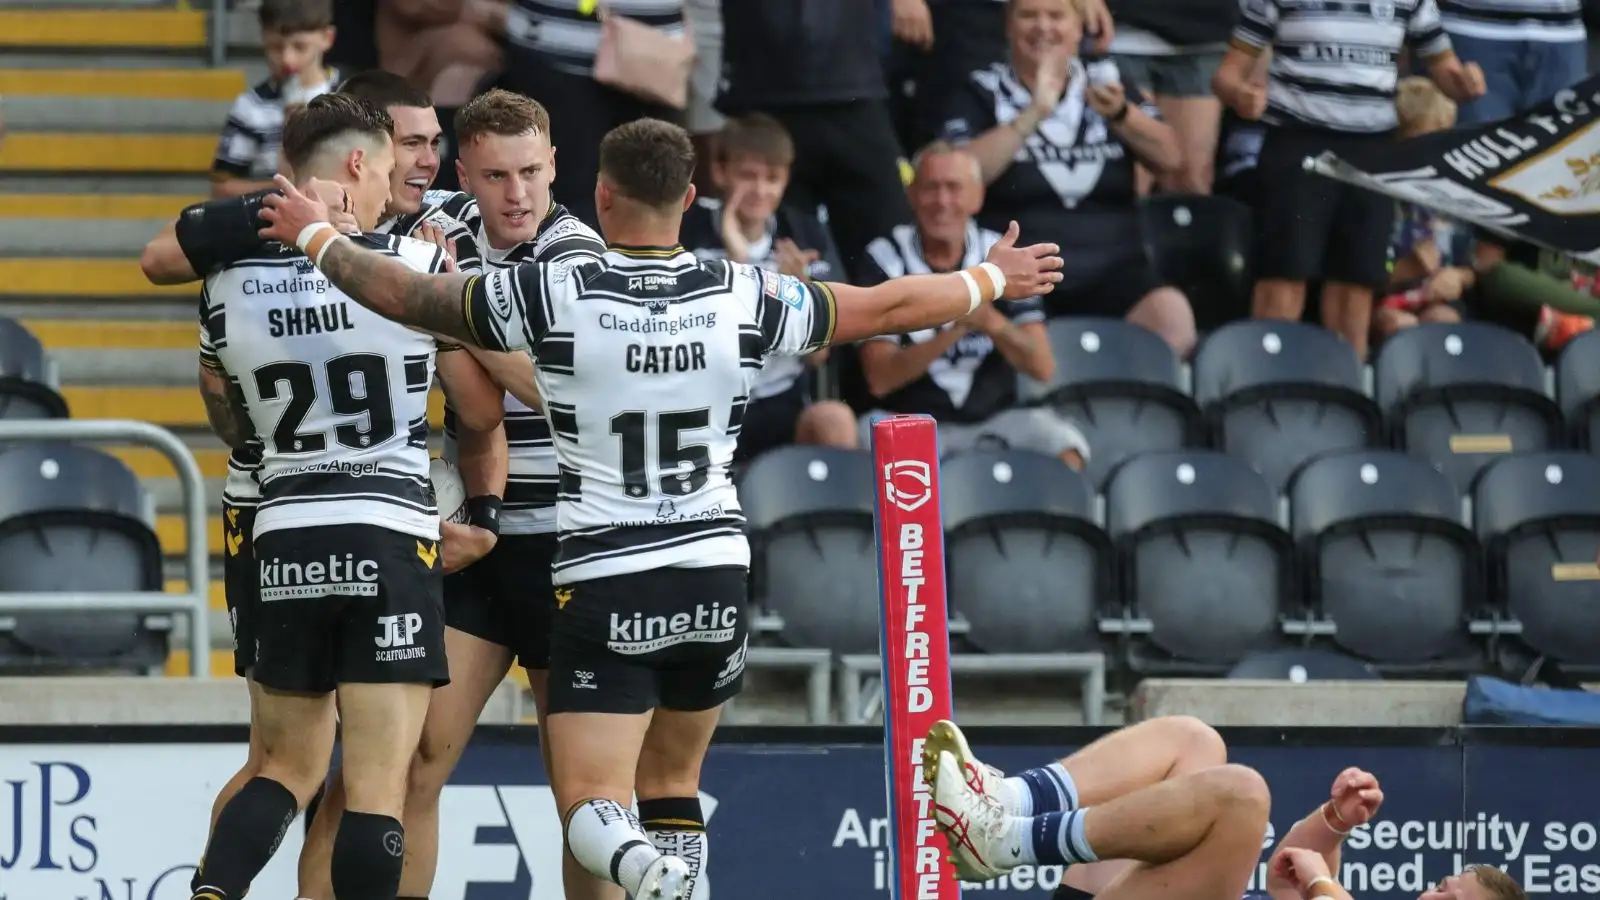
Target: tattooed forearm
225,408
393,290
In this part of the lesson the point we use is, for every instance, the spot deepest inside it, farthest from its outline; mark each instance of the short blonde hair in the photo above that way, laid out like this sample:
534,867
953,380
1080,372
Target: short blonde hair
1421,106
1498,884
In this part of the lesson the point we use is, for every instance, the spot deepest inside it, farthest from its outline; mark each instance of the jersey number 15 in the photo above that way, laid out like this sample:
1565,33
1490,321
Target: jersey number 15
680,470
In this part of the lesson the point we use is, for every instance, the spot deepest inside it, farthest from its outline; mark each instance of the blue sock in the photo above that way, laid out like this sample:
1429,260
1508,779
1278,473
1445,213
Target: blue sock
1057,839
1044,790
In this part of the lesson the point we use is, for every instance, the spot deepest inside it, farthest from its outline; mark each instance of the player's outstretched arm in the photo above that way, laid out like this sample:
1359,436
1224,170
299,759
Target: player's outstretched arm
513,372
1353,800
914,302
225,407
382,284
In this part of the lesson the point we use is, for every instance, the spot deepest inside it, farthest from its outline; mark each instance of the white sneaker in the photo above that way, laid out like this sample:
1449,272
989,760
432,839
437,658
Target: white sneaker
974,824
946,737
666,879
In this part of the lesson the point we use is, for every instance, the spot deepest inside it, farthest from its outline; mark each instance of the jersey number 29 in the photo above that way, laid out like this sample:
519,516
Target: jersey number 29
680,470
373,403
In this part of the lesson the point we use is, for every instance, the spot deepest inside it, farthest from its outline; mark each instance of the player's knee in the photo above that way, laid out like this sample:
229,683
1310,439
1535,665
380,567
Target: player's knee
302,775
1237,790
1199,745
425,780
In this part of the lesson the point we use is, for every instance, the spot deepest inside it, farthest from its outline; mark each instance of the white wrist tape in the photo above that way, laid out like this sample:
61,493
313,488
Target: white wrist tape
996,276
309,232
974,292
1320,879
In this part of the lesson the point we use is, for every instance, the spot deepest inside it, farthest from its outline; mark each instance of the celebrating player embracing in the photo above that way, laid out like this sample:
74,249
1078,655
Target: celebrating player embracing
645,363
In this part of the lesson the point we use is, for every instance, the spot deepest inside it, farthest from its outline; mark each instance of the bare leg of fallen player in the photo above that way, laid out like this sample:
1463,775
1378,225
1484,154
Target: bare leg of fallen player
1194,835
1130,758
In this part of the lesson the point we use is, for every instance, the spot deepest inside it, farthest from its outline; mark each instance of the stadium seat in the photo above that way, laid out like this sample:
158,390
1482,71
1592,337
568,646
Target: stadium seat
1207,571
1387,559
27,377
813,554
1578,389
1463,395
1202,245
75,519
1302,664
1278,393
1538,516
1028,567
1122,385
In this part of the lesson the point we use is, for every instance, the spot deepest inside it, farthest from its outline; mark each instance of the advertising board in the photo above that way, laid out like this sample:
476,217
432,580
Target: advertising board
790,818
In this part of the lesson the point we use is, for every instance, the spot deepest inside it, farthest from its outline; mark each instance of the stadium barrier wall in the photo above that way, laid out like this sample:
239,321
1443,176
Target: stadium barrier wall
119,812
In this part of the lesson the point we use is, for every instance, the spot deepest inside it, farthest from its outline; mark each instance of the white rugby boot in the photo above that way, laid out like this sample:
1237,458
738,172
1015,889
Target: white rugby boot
946,737
975,824
666,879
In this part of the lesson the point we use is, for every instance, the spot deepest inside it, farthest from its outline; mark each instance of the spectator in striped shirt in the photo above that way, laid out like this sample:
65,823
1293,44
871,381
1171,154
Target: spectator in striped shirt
1529,49
1330,87
294,36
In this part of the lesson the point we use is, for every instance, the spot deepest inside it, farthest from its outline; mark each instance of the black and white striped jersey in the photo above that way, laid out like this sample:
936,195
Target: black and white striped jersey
338,394
972,380
531,479
468,257
1558,21
1073,181
1334,64
250,140
645,363
562,34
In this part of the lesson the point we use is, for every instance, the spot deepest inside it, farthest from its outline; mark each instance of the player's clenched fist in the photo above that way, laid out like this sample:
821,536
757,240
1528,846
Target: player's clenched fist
1030,271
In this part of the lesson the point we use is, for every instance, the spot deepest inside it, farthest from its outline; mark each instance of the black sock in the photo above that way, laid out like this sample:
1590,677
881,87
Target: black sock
247,834
367,855
677,828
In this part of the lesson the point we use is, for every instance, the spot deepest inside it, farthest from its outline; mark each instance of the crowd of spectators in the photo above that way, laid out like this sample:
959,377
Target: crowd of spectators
862,139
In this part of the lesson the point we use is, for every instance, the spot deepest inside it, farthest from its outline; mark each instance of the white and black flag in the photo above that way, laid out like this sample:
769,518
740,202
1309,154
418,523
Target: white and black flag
1533,177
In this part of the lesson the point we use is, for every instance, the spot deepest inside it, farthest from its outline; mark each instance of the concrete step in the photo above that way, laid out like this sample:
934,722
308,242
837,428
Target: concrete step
177,408
80,309
89,153
144,29
112,364
247,63
115,114
112,187
132,83
86,278
99,207
116,238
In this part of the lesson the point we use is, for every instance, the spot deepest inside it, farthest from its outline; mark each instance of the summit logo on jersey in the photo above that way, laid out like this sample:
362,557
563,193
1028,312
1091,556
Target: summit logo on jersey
344,576
639,634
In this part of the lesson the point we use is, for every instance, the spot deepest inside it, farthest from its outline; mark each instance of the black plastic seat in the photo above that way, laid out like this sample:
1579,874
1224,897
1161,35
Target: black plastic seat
1463,395
75,519
1027,565
1122,385
1202,245
813,554
1204,561
1578,389
1387,558
26,390
1538,516
1302,664
1279,393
